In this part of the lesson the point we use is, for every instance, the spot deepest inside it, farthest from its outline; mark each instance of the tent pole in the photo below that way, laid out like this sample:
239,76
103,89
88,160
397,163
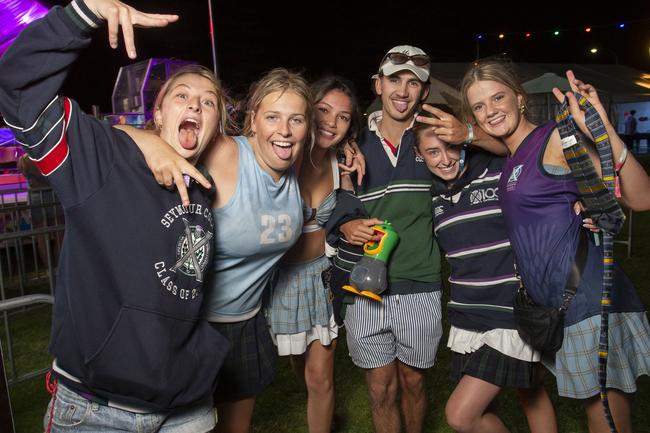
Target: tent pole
214,47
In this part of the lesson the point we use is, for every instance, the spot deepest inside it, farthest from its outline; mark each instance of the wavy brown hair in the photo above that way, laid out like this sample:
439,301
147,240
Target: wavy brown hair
489,70
323,86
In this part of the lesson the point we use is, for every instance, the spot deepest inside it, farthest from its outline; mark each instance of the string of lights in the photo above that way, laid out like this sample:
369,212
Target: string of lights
559,31
602,41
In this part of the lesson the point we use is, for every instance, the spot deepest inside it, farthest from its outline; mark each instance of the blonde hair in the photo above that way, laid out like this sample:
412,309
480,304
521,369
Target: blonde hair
201,71
490,70
279,80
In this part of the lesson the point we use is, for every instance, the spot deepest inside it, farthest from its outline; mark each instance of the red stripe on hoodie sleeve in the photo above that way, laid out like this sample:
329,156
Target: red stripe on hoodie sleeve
59,152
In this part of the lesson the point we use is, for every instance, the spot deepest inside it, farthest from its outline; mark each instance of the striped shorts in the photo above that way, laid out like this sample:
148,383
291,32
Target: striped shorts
404,327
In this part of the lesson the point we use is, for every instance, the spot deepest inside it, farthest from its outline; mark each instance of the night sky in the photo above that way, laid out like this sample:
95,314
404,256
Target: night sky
349,38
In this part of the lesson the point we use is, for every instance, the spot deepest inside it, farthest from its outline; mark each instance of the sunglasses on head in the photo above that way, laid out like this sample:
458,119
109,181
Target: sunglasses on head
401,58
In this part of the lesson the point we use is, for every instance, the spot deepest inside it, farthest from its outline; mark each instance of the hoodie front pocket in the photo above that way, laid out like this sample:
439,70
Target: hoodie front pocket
154,358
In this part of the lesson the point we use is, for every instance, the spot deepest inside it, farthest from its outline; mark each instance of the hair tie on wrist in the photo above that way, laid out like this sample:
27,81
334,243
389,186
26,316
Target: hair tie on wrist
470,133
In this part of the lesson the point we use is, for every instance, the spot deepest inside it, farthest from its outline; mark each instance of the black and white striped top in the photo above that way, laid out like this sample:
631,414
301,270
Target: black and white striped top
470,229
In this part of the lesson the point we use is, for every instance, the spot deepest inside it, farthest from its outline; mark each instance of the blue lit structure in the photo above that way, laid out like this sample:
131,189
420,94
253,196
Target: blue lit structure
14,16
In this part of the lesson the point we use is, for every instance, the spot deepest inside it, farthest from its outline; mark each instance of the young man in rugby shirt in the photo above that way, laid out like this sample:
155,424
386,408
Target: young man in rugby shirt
396,340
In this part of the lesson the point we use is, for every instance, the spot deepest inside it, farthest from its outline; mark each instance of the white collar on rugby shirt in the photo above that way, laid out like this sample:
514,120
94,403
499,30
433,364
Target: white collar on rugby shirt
374,119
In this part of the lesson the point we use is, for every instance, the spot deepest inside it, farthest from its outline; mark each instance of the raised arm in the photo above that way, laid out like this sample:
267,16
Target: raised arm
119,15
73,150
166,165
451,130
35,66
33,69
634,180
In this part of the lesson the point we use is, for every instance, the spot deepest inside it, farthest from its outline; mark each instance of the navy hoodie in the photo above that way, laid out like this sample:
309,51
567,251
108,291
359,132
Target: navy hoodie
127,325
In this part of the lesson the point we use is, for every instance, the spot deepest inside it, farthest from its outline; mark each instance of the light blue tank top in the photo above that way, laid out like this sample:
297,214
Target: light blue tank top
260,222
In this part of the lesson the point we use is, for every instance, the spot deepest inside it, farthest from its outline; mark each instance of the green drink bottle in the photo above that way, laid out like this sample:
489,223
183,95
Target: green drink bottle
368,276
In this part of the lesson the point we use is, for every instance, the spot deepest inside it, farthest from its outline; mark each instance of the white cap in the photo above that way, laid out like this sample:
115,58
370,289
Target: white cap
389,68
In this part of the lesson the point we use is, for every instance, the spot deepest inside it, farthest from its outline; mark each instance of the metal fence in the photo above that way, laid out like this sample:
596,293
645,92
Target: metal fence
31,233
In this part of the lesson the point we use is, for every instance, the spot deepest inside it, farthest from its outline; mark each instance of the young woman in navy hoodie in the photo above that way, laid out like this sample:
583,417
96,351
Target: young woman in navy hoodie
128,342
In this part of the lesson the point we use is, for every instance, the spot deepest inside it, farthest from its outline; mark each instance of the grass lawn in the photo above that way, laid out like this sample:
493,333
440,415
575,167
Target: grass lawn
282,407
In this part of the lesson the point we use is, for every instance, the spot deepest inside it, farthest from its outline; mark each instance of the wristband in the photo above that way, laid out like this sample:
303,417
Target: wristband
470,133
617,168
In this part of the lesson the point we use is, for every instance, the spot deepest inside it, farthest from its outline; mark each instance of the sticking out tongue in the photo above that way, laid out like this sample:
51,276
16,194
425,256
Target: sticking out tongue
188,135
400,106
282,152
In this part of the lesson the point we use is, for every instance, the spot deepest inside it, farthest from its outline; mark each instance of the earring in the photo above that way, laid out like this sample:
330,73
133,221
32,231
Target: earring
522,108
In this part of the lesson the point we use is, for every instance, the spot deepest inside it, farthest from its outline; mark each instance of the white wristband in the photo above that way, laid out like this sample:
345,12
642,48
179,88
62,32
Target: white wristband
470,133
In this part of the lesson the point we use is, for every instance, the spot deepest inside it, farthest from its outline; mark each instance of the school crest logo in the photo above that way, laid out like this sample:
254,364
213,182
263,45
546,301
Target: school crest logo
484,195
514,176
516,172
192,251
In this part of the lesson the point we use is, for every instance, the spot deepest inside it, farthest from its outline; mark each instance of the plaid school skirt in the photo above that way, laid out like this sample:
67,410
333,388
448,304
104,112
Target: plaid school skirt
250,365
575,365
490,365
299,307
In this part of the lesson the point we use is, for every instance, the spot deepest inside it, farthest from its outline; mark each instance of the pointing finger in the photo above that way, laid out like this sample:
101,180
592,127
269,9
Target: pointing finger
430,120
558,95
435,111
127,32
141,19
113,21
195,174
574,107
572,80
182,189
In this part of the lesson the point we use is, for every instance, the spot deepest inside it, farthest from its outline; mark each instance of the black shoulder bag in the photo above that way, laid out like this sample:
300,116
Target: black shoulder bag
540,326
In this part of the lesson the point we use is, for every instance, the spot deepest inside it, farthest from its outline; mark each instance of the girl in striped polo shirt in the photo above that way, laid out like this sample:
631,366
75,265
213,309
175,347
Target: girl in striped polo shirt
488,354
